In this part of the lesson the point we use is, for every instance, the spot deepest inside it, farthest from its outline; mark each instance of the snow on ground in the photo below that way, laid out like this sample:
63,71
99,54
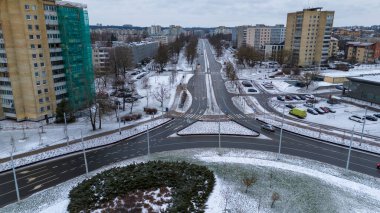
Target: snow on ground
188,102
339,119
231,87
100,141
242,105
226,128
304,185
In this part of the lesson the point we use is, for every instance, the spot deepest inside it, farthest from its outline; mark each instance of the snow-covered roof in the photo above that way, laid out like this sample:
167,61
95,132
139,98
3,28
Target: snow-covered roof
70,4
352,73
369,78
360,44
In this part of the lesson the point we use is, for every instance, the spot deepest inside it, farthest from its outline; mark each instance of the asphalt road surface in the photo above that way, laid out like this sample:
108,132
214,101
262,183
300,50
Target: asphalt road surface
40,176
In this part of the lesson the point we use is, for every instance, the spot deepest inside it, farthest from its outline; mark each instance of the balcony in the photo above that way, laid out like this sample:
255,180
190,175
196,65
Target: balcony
54,40
55,67
54,50
3,69
56,58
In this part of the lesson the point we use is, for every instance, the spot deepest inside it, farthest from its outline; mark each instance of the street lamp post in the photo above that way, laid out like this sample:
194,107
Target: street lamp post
220,145
65,130
349,150
282,125
148,141
14,170
84,153
361,136
119,118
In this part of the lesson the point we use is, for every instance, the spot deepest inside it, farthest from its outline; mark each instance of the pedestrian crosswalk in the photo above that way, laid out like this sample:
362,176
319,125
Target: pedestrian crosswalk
215,117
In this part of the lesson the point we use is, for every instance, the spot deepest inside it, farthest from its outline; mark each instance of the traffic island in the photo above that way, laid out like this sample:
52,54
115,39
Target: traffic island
214,128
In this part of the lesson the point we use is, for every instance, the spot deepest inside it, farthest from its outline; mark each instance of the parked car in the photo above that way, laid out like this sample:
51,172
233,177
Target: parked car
377,115
319,111
308,105
339,87
324,109
309,96
299,113
280,98
330,110
356,118
290,106
371,118
296,97
252,90
246,84
267,127
303,97
312,111
288,97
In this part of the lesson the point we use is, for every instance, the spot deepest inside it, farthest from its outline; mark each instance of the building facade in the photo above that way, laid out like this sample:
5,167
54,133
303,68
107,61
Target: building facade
365,88
261,35
101,56
334,47
34,52
363,52
271,50
308,34
154,30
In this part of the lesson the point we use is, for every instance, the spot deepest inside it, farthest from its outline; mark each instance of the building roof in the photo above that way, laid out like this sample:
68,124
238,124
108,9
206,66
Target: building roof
360,44
70,4
352,73
373,79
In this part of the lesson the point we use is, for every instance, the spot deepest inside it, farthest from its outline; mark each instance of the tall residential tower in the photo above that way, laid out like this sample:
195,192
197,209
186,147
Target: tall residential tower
308,35
39,65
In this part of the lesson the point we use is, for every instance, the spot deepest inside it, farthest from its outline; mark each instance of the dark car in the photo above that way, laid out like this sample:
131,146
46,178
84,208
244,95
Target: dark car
371,118
339,87
252,90
296,97
377,115
330,110
324,109
288,97
267,127
280,98
246,84
303,97
290,106
312,111
319,111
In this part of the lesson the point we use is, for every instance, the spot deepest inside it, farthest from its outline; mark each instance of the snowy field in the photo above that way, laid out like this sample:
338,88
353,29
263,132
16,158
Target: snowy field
100,141
212,128
242,105
303,185
338,119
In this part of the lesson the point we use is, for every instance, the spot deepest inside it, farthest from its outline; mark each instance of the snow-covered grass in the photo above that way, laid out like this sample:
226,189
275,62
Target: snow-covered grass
242,105
339,119
212,128
303,185
100,141
187,104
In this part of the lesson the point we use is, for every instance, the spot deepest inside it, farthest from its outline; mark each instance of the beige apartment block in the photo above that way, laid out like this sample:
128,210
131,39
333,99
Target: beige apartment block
23,27
334,47
308,35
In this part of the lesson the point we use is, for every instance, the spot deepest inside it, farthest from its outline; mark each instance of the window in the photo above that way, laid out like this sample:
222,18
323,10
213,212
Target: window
35,17
38,83
41,100
31,37
37,27
46,90
47,99
30,27
34,7
32,46
42,64
28,17
39,91
41,55
35,65
48,108
42,109
27,7
36,74
44,81
39,46
43,73
34,56
38,37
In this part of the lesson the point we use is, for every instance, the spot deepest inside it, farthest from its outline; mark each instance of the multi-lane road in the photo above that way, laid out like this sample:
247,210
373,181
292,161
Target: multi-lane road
34,178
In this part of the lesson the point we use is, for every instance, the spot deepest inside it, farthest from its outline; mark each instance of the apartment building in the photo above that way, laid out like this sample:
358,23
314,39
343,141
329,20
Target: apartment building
334,47
101,56
160,39
261,35
222,30
363,52
44,57
154,30
241,35
308,34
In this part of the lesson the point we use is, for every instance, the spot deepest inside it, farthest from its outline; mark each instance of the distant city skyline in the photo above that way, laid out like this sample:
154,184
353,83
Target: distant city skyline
213,13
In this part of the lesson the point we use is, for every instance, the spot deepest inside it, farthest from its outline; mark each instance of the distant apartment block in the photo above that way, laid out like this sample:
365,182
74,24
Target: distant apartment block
45,56
101,56
334,47
308,34
154,30
160,39
363,52
260,35
222,30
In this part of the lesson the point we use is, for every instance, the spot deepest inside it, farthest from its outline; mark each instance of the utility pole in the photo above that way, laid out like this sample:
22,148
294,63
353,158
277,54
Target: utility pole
361,136
14,170
147,135
220,145
65,129
349,150
282,125
119,118
84,153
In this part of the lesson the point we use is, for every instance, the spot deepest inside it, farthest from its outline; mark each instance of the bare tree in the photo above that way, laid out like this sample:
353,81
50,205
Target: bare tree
308,78
132,100
248,182
121,60
161,94
162,57
275,197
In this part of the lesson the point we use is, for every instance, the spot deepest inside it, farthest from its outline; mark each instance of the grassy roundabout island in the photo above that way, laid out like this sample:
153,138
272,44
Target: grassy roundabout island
153,186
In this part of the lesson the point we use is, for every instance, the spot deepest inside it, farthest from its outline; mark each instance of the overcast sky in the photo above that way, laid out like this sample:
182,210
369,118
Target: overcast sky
211,13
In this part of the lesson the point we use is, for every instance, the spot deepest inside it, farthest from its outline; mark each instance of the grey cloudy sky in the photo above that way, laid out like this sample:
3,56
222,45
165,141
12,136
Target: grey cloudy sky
210,13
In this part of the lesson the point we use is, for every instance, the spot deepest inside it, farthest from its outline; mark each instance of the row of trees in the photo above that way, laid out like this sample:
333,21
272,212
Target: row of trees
217,42
249,56
191,50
